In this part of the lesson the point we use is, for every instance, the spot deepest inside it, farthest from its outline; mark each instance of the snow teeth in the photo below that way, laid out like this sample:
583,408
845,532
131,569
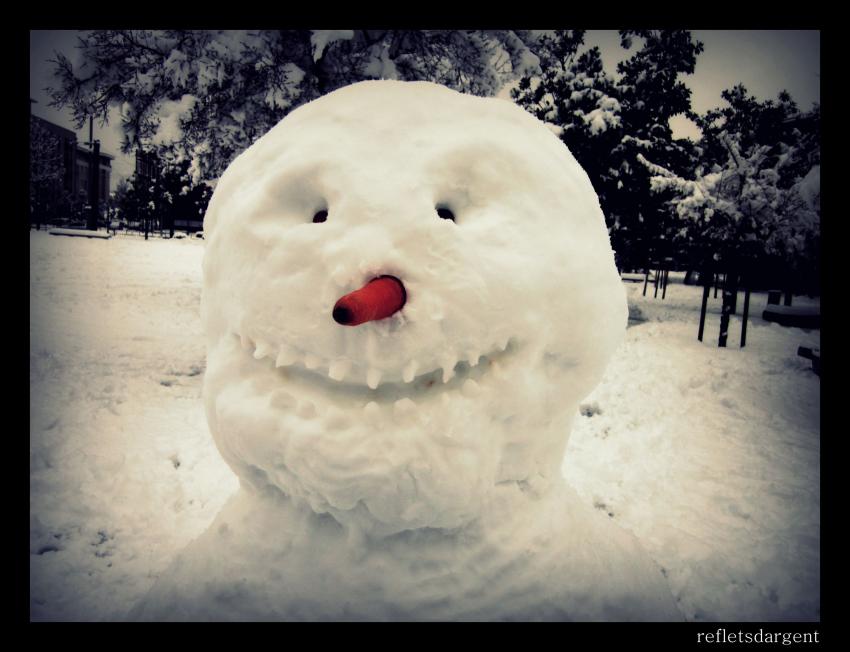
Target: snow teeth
409,372
373,378
404,407
371,410
448,369
246,342
503,343
312,361
285,357
306,410
262,350
474,357
339,368
470,388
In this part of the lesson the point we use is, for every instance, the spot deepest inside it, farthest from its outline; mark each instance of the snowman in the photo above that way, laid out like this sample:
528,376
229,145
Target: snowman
407,293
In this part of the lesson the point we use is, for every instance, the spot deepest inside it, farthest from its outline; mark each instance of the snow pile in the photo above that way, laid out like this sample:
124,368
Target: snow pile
409,467
711,457
122,472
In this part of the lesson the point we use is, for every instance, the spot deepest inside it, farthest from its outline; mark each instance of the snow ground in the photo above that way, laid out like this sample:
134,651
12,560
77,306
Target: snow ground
710,456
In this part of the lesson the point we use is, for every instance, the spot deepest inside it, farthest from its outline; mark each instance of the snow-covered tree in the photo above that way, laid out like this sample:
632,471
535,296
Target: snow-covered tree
607,123
760,161
578,98
206,95
739,214
650,92
168,195
47,169
793,137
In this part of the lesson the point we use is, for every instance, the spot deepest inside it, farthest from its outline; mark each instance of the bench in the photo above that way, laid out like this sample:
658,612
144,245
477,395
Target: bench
797,316
84,233
636,278
810,354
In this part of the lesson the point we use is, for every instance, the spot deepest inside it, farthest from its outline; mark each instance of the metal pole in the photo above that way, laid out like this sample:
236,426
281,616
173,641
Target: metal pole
91,219
729,293
746,313
95,200
706,288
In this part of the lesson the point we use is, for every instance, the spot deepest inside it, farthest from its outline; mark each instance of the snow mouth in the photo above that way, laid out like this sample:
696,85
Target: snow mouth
334,378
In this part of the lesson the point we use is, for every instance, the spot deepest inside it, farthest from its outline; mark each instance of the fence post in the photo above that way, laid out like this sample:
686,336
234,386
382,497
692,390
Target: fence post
706,288
746,314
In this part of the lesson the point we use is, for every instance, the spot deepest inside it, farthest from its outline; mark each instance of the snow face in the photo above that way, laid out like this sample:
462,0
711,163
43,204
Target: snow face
406,468
512,310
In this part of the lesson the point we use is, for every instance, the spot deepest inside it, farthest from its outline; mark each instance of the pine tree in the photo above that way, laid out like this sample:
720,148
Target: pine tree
650,93
577,97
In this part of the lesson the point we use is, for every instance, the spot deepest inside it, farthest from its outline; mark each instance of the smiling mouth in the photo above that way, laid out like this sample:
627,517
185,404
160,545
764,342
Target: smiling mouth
337,378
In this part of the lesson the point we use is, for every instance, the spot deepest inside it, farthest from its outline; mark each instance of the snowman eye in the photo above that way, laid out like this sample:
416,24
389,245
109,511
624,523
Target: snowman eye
445,213
321,216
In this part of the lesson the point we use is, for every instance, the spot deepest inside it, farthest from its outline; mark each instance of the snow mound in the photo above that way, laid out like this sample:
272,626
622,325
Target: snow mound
407,467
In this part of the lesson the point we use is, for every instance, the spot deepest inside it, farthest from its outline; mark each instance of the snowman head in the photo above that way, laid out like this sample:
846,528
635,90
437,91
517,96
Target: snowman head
406,402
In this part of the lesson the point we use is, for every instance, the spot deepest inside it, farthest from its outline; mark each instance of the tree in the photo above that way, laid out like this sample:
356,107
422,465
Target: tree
47,170
575,95
790,135
606,124
204,95
743,215
650,94
769,155
155,202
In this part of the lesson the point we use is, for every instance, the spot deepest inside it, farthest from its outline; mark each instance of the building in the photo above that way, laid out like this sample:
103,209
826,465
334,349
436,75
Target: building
67,144
83,164
147,164
77,162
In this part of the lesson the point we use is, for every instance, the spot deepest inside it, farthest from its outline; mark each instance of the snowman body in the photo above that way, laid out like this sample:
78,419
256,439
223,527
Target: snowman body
406,466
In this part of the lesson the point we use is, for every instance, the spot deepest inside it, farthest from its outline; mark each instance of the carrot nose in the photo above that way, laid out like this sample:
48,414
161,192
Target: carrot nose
378,299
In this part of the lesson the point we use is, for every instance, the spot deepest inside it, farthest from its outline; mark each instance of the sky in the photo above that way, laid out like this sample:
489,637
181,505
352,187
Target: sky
765,61
43,43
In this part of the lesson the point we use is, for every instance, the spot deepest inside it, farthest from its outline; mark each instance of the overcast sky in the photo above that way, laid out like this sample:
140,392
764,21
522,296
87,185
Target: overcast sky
765,61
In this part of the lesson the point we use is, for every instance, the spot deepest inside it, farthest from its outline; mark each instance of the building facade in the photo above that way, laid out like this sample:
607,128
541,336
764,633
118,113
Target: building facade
83,163
77,165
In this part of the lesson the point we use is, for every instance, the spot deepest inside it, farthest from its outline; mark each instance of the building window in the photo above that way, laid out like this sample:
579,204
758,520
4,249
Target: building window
83,177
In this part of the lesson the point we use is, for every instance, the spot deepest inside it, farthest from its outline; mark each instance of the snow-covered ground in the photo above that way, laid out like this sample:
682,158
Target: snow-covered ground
710,456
